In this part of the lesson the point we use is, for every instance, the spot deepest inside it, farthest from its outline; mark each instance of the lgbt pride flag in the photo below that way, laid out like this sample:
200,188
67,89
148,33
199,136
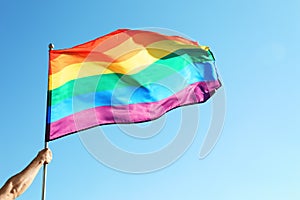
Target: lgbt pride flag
126,76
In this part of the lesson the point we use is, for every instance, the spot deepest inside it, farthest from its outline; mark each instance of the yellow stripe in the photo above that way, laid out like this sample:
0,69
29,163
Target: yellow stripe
80,70
130,62
172,46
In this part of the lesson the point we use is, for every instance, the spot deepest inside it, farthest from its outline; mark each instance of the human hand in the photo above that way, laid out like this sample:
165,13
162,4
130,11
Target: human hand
45,156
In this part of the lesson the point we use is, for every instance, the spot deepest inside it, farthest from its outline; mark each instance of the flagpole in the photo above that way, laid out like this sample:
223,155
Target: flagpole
44,177
51,46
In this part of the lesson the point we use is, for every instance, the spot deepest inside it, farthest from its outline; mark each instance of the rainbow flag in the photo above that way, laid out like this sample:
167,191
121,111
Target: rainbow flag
126,76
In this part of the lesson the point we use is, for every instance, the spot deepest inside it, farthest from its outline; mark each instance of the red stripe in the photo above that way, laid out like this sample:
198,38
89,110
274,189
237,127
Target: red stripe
88,45
93,51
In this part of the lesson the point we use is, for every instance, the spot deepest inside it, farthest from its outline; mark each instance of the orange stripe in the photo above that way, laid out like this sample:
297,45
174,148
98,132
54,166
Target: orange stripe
65,60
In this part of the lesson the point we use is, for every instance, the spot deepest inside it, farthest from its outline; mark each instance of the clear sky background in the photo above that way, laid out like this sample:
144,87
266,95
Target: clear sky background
256,45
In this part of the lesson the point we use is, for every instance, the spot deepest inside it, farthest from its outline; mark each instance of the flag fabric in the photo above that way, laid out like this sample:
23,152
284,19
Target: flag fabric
126,76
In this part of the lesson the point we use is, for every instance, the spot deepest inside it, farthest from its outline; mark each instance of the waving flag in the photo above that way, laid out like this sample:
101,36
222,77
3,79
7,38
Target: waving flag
126,76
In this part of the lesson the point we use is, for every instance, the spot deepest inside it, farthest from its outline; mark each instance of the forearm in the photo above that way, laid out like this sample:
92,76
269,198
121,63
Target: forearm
17,184
21,181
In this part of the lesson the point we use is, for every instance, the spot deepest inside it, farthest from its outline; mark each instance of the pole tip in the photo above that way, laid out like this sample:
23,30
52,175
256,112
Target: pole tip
51,46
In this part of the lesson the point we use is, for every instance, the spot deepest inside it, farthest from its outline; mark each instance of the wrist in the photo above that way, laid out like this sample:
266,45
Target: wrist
39,160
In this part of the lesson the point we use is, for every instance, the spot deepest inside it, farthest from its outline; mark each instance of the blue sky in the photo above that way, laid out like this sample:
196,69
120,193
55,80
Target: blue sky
256,45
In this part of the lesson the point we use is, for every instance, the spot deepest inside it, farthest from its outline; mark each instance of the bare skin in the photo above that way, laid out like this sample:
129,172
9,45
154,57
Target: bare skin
18,184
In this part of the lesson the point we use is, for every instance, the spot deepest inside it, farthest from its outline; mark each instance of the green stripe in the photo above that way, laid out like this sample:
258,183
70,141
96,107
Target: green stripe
162,68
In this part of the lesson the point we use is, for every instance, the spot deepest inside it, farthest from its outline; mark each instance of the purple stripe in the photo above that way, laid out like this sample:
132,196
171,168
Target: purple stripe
195,93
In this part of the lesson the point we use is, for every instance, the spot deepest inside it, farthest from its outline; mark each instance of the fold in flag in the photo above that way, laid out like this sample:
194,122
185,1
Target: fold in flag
126,76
